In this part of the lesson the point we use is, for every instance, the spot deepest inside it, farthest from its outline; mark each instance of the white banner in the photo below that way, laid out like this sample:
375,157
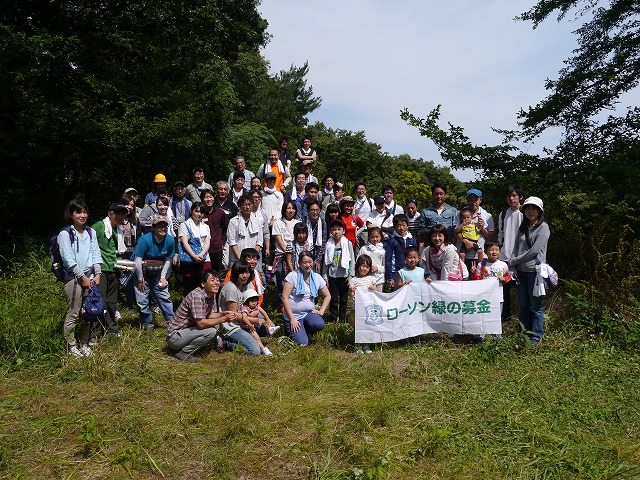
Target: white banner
418,308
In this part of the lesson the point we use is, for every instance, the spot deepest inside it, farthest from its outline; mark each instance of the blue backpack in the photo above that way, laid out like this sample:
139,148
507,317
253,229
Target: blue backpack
93,307
62,274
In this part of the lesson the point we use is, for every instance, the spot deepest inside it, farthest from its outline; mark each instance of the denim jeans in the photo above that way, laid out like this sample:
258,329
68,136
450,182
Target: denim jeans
244,338
191,339
161,295
309,325
531,313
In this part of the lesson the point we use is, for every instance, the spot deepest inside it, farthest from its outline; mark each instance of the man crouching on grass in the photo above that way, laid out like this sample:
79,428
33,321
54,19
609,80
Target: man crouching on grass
195,323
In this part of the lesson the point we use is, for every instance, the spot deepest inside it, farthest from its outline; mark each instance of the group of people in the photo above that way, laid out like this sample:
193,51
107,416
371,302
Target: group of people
227,243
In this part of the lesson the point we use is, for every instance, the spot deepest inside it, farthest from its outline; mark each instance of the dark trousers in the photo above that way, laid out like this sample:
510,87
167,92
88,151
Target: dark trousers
109,286
339,290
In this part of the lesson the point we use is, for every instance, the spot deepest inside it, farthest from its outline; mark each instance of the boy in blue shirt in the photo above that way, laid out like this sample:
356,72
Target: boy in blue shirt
398,242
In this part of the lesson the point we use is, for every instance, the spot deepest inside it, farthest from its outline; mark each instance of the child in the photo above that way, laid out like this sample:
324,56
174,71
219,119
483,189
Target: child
411,272
338,268
413,215
257,315
299,244
469,231
363,278
251,255
248,319
492,266
375,250
399,241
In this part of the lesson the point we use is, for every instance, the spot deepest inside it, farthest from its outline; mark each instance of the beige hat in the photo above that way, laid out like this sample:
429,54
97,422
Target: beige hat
537,201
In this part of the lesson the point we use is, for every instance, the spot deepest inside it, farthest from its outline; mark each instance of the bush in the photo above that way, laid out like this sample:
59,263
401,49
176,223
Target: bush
606,304
32,307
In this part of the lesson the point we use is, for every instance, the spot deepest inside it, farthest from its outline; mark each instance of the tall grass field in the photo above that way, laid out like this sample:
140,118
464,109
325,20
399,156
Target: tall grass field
428,408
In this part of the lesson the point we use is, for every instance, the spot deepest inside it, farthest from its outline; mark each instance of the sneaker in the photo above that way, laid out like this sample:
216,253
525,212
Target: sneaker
273,329
149,327
93,342
118,315
266,351
186,357
117,334
366,349
156,310
75,352
85,350
220,344
133,312
359,350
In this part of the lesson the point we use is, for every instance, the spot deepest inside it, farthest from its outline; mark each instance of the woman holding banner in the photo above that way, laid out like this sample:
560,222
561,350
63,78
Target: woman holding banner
440,259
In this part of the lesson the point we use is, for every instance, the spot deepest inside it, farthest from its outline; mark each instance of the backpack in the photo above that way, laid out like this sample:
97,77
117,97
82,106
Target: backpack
57,268
93,306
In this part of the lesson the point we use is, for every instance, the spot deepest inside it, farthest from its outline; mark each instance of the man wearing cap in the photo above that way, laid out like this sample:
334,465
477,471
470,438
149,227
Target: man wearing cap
158,181
159,249
274,165
111,242
439,211
484,222
179,205
380,216
195,189
195,323
307,169
241,167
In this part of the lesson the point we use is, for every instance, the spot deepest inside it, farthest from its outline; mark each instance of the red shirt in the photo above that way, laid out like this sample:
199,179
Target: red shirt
353,222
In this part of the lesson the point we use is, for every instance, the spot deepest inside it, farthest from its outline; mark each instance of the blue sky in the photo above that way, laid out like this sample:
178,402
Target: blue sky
368,59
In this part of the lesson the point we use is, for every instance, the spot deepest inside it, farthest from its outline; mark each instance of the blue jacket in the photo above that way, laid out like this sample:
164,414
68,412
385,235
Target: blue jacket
394,259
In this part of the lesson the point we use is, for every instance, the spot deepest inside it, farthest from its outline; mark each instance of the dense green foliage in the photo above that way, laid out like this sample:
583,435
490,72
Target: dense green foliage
104,95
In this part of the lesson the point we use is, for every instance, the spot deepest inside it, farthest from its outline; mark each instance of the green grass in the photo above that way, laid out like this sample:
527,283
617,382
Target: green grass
430,409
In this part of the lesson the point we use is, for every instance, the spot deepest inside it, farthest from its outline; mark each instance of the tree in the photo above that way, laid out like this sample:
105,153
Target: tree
590,175
97,96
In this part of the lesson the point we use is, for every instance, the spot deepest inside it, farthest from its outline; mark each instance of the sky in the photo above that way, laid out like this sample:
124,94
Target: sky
368,59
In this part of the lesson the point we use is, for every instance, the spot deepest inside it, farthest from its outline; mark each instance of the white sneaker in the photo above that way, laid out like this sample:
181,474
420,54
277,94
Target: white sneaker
75,352
273,329
118,315
266,351
93,342
85,351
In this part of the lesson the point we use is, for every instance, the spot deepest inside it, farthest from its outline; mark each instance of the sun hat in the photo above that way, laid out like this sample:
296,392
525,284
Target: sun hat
537,201
249,293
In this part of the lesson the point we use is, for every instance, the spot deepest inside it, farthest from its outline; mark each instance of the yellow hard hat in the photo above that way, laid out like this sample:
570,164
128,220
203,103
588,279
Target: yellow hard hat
160,178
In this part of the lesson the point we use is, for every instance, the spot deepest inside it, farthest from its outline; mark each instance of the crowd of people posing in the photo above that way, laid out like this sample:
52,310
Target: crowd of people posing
226,244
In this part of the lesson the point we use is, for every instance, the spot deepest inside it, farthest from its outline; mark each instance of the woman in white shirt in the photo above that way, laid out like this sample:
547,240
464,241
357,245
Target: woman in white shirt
194,237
